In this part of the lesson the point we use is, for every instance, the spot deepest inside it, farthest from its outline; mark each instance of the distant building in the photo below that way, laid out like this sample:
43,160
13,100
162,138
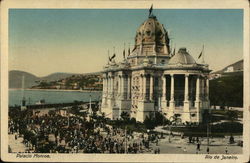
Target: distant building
232,69
153,79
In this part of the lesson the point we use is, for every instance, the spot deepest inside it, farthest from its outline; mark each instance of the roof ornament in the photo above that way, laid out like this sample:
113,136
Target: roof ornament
202,55
150,11
111,58
124,53
108,57
129,49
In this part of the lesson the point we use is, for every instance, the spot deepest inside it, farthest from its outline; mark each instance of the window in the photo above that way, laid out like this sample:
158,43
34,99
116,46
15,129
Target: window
148,33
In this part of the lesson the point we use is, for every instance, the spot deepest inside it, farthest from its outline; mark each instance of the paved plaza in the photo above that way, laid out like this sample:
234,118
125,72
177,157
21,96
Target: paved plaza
181,146
16,145
176,146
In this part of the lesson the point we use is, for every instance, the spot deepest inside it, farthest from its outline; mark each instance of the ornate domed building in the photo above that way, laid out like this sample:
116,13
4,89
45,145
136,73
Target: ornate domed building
151,79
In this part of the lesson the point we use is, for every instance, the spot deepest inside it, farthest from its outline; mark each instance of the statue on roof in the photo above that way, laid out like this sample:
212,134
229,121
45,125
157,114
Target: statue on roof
150,11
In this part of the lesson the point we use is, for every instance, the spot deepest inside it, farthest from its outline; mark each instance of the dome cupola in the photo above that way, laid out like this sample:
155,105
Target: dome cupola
182,57
152,38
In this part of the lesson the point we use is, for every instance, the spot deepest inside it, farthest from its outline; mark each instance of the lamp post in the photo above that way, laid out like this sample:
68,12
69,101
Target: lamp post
208,121
169,132
90,101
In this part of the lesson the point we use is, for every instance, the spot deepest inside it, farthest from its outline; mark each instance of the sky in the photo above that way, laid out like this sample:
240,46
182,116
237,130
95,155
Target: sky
45,41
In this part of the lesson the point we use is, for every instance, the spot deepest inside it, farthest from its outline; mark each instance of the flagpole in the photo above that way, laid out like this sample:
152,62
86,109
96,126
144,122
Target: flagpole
129,49
203,61
108,57
124,55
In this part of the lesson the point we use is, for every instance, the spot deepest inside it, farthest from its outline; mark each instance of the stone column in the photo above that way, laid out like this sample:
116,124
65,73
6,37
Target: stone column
207,102
104,92
104,85
197,100
172,87
108,86
172,102
207,89
141,87
202,93
198,89
141,49
153,51
186,88
119,85
129,87
164,88
186,108
164,100
122,87
151,87
165,49
112,86
145,87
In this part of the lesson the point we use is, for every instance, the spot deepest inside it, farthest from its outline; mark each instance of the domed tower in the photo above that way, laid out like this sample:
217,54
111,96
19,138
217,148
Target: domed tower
151,41
151,79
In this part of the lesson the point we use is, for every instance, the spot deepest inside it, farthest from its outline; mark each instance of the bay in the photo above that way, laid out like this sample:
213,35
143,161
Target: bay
51,96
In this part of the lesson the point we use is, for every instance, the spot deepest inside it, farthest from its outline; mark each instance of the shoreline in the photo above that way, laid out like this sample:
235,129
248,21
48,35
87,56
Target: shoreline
56,90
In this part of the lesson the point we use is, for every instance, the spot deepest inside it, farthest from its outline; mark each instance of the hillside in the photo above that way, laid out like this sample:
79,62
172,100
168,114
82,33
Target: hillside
56,76
87,81
15,79
30,80
235,67
227,90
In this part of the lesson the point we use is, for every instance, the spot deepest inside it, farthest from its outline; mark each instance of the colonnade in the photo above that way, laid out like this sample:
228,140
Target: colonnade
123,89
202,88
145,93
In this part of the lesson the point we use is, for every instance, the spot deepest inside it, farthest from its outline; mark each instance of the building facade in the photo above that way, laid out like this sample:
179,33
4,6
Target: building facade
152,79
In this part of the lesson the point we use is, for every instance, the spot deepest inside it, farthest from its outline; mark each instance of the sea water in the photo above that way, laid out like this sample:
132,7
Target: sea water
51,96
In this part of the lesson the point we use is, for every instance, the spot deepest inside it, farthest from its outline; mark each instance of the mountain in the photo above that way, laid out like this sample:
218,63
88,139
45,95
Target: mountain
15,79
57,76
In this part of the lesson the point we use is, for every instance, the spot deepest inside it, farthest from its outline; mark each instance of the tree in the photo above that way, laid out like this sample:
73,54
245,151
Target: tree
125,116
227,90
175,119
160,119
149,122
232,116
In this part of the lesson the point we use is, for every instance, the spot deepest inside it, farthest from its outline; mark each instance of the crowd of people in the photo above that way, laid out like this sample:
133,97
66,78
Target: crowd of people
75,134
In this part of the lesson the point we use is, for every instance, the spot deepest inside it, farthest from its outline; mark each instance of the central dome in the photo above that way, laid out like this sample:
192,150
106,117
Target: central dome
182,57
152,37
150,31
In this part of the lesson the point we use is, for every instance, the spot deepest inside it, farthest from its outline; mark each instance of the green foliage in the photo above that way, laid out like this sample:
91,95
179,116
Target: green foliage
227,91
81,81
44,84
149,122
232,115
125,116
